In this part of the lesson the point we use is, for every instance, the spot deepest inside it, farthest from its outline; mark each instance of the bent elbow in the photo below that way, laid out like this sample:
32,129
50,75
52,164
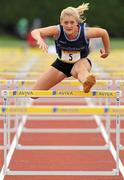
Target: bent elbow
33,32
105,32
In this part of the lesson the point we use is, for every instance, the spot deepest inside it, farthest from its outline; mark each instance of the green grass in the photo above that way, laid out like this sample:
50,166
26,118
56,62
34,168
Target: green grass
11,41
117,43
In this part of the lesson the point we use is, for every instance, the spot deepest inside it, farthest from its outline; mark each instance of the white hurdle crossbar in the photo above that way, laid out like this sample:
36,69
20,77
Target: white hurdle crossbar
67,82
20,82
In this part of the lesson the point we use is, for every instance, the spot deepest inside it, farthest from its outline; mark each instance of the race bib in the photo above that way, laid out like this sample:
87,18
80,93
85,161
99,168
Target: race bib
70,56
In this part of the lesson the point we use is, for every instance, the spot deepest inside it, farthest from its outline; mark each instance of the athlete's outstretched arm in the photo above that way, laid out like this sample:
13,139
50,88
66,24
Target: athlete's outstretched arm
100,33
41,33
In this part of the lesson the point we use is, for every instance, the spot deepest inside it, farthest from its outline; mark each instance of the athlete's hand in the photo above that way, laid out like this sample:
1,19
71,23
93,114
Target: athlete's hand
41,44
104,54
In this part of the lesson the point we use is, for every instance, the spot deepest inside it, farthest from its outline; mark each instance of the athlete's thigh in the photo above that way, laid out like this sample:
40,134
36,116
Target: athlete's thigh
49,79
80,66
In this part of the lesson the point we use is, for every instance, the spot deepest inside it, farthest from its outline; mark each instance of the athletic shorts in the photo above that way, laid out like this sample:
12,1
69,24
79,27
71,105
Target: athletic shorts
65,67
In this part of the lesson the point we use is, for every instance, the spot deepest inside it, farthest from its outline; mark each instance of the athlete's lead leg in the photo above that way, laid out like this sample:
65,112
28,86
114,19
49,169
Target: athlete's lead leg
81,71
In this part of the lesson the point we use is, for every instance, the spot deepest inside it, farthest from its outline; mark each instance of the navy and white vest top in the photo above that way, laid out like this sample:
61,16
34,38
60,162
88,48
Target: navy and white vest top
76,49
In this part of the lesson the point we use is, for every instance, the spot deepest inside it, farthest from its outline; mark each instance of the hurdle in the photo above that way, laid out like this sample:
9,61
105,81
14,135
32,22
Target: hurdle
7,84
108,83
23,84
67,82
58,93
24,93
66,110
73,83
119,85
20,84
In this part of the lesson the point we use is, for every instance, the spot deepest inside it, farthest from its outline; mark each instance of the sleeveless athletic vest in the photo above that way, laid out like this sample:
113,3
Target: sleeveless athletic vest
72,50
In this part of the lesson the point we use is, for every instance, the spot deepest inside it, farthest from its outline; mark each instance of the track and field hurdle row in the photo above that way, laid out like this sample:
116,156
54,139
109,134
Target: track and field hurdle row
17,84
22,84
66,110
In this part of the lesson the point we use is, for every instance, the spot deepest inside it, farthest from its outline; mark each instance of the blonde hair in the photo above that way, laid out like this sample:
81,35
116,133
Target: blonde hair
78,12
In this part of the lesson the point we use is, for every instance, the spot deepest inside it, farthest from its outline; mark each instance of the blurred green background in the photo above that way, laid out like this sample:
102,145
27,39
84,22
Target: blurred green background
17,18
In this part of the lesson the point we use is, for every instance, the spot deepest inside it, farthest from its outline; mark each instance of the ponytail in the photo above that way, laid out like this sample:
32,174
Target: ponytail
81,9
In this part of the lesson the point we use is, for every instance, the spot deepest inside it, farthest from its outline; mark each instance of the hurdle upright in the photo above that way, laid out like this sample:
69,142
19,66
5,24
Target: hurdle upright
120,85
